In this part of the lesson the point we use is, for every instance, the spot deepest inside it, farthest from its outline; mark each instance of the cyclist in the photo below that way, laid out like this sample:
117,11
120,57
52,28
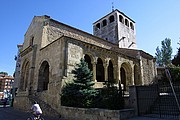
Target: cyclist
36,110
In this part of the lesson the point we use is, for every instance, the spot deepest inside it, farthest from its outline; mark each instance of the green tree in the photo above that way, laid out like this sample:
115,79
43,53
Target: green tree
5,73
80,92
176,59
163,56
158,57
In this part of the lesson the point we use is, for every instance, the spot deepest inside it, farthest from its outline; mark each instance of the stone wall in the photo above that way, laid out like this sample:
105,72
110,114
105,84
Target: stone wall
149,73
71,113
142,98
22,102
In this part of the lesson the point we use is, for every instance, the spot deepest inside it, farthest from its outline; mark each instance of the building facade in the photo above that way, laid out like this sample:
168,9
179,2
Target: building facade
51,49
18,65
6,83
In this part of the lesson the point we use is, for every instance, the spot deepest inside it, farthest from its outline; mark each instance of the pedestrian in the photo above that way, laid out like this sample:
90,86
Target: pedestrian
5,102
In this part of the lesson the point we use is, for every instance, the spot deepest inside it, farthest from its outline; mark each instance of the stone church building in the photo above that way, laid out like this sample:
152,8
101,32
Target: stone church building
51,49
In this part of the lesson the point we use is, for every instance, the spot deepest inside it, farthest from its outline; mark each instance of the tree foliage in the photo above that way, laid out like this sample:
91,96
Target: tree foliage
110,98
158,57
175,75
176,59
80,92
5,73
163,56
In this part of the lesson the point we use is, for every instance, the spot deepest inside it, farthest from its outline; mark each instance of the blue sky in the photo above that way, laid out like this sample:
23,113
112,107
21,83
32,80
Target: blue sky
155,21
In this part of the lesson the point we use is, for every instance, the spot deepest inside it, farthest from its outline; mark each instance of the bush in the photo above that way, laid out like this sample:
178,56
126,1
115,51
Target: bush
110,98
175,75
81,93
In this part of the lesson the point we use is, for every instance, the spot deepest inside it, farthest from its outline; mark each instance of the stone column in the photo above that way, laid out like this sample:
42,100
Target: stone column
106,72
115,73
118,75
133,83
141,69
94,71
133,99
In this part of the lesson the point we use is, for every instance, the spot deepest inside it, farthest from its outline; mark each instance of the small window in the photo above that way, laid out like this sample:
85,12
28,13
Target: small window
131,25
98,26
147,62
111,19
126,22
104,23
121,19
31,41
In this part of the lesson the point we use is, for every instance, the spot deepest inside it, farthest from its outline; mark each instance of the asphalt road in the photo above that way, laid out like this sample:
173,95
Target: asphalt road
9,113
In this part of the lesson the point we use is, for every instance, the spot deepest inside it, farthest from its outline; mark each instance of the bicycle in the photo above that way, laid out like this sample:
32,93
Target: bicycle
33,117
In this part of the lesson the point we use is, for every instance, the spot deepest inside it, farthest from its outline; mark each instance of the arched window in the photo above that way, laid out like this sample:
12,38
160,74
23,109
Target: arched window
24,76
123,78
104,22
121,19
98,26
131,25
31,41
43,79
88,60
126,22
111,18
110,72
99,71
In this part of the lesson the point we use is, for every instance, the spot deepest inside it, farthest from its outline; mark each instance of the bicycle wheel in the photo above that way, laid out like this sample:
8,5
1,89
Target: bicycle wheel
29,118
41,118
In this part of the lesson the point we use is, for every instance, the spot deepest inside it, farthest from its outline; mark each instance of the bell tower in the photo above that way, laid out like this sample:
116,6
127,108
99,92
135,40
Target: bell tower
117,28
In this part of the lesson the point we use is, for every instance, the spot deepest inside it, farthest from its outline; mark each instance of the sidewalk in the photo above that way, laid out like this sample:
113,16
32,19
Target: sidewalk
153,117
146,118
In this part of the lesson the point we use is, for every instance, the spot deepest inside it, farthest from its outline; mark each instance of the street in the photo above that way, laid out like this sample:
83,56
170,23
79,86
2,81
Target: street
9,113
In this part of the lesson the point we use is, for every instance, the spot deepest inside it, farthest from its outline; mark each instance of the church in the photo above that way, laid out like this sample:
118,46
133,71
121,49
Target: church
51,50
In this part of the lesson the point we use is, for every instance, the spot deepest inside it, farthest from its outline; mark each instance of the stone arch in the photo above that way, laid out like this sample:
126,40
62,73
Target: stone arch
137,80
121,19
98,26
131,25
123,78
43,77
126,75
104,22
110,72
126,22
99,70
111,19
87,59
24,75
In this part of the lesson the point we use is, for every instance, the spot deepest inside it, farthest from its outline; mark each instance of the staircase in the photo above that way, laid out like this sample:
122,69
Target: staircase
47,109
165,106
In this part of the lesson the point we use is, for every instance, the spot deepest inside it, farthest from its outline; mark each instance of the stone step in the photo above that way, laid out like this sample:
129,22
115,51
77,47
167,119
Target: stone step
165,105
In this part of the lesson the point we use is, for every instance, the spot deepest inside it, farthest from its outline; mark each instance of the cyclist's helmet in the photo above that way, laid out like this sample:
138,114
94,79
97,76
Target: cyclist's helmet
35,102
